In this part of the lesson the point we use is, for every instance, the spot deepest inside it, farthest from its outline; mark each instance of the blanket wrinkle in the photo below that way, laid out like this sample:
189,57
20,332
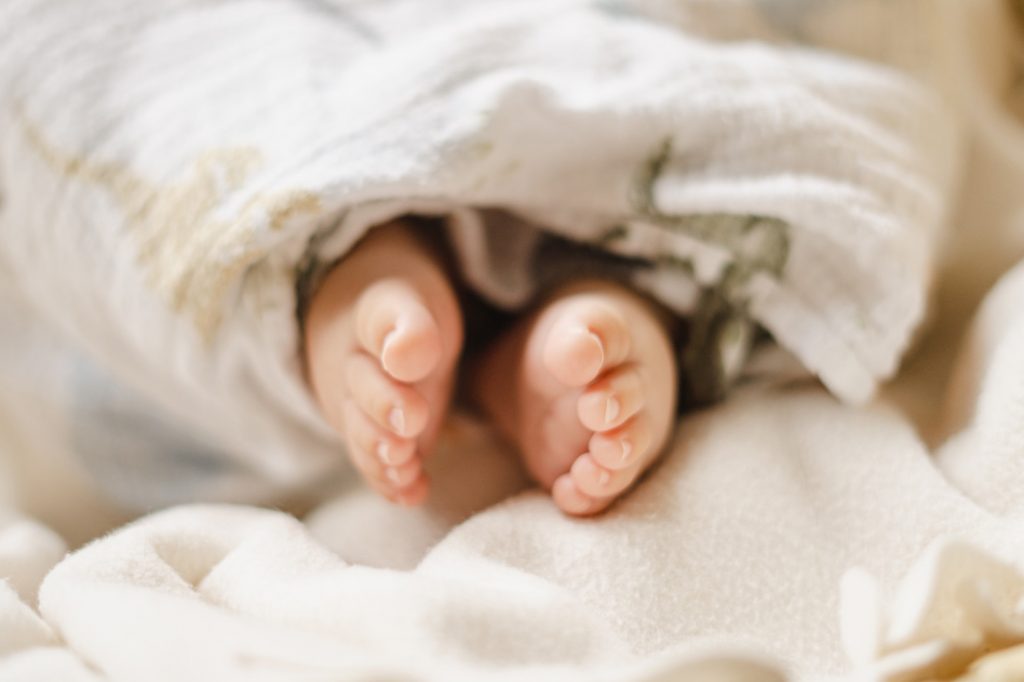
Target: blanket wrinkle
20,627
28,550
958,608
269,548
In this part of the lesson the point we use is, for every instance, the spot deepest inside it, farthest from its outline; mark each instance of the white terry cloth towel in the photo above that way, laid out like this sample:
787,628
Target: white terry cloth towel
857,575
176,172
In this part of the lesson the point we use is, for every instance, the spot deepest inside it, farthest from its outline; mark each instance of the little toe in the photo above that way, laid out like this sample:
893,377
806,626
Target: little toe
611,400
402,475
569,498
390,404
366,436
414,493
624,446
395,325
589,336
371,447
597,482
397,476
385,476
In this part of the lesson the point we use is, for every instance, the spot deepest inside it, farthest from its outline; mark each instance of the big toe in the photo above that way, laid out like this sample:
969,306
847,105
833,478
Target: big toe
394,324
587,337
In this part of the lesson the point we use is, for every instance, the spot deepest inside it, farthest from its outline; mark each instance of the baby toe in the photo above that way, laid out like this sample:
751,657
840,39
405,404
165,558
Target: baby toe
413,494
569,498
611,400
410,495
589,337
371,448
574,356
597,482
403,475
394,325
390,404
391,451
624,446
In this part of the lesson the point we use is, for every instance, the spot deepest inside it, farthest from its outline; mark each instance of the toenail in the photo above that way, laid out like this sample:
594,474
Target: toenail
627,449
383,452
611,410
397,419
392,474
583,331
595,337
388,340
603,478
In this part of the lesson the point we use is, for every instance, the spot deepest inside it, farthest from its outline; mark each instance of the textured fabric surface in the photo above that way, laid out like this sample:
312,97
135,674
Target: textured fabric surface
857,571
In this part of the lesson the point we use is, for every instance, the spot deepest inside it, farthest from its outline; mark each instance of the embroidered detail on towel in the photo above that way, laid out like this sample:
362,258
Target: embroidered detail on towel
191,256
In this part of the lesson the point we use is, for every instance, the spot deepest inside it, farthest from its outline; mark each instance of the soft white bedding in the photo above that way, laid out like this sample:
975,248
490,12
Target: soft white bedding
735,558
785,535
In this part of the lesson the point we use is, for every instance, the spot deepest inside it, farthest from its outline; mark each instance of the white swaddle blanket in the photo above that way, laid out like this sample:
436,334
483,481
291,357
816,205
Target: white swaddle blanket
175,173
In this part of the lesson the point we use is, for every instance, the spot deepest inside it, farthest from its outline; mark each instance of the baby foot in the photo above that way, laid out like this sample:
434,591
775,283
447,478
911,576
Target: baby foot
595,386
383,334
